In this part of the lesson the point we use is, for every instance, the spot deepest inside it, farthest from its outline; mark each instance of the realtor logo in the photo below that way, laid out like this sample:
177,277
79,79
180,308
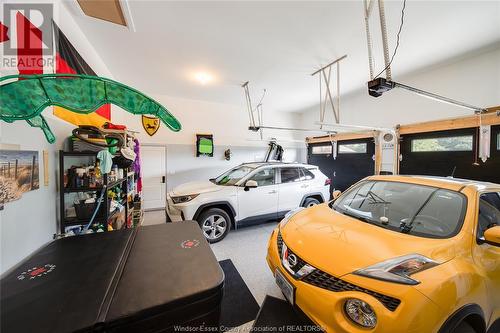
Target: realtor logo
26,38
28,29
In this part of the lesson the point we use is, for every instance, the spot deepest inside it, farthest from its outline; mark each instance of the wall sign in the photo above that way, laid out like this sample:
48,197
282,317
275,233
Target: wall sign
204,145
151,124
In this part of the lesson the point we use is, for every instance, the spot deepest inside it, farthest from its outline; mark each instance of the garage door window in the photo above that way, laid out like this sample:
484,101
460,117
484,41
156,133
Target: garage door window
317,150
451,143
290,175
352,148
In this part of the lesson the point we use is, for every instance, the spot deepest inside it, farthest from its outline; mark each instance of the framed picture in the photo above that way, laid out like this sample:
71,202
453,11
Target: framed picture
204,145
19,173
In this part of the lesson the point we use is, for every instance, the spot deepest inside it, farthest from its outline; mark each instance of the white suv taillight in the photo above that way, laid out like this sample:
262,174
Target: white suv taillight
328,181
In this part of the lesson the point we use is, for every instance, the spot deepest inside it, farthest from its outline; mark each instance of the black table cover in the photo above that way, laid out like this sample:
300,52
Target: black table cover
148,279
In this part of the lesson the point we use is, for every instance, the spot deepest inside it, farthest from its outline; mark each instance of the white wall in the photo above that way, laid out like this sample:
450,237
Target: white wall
28,223
474,79
229,126
228,123
31,221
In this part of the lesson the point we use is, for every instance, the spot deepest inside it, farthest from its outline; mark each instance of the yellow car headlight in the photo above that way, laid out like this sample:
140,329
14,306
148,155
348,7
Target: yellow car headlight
360,312
398,269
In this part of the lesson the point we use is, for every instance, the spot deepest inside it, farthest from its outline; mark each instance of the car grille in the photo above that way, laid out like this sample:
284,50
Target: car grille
326,281
280,245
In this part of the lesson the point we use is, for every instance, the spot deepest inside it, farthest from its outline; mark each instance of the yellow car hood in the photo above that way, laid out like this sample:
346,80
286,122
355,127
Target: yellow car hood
339,244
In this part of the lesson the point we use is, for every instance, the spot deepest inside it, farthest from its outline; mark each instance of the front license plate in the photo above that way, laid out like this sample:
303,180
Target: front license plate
285,286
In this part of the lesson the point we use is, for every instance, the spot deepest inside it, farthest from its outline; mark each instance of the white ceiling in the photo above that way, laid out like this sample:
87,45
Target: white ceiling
277,45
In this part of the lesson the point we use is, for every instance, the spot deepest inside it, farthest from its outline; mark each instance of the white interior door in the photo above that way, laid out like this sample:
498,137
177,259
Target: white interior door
154,174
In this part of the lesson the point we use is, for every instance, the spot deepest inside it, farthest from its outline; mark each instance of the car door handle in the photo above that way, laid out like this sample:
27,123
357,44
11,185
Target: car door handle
272,192
305,186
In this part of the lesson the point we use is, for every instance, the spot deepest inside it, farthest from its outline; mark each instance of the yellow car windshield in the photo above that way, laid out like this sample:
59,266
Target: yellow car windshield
409,208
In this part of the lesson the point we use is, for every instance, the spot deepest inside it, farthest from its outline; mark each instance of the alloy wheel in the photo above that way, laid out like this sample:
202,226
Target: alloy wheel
214,227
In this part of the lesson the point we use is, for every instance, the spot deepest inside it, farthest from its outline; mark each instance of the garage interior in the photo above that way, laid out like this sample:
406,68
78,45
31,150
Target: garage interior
153,152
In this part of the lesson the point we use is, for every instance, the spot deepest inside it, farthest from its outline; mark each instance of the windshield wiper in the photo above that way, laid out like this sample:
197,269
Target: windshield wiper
377,199
406,227
358,217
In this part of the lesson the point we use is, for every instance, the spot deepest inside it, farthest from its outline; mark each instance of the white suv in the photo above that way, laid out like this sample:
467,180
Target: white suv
247,194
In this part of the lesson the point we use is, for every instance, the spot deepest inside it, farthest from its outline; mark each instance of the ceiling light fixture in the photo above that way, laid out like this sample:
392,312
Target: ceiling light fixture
203,77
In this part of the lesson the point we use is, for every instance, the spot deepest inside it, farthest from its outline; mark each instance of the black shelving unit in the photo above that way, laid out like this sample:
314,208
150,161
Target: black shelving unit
101,218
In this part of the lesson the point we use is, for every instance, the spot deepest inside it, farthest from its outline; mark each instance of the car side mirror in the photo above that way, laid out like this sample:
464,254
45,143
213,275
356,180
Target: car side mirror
250,184
336,194
492,235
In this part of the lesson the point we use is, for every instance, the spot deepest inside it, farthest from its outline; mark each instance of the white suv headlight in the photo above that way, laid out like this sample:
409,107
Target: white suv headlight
183,198
398,269
289,215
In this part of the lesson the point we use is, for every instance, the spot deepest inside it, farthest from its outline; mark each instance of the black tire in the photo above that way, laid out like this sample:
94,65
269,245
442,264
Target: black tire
167,218
215,224
309,202
464,327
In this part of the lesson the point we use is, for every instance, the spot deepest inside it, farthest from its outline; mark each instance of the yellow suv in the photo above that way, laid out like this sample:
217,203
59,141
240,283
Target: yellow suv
395,254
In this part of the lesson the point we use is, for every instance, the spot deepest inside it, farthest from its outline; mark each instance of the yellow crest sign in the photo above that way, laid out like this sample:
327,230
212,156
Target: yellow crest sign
150,124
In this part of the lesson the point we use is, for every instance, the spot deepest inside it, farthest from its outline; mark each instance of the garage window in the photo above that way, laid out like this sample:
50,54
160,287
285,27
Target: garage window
352,148
317,150
450,143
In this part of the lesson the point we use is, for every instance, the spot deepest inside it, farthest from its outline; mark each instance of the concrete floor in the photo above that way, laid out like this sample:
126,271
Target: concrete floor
247,249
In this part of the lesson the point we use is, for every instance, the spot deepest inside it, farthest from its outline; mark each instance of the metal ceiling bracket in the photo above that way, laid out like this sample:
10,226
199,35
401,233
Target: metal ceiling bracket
385,45
249,103
251,110
368,8
332,98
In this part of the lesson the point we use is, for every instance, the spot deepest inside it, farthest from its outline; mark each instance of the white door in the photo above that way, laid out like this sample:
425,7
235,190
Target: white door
154,172
262,201
291,189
